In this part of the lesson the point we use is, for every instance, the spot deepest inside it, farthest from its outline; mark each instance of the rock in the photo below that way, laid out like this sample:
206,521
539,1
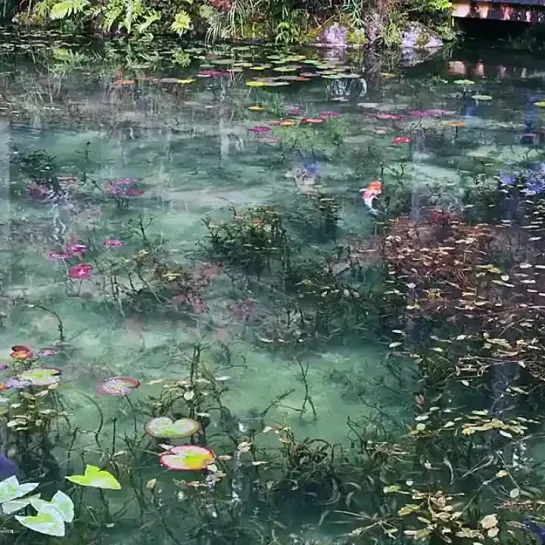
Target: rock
418,36
334,36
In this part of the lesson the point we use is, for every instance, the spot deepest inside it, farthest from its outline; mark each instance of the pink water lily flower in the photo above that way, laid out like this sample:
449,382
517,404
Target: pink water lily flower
81,271
401,140
113,243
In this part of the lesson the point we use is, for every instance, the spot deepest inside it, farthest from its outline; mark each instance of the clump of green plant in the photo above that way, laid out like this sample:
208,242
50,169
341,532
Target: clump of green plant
256,240
40,169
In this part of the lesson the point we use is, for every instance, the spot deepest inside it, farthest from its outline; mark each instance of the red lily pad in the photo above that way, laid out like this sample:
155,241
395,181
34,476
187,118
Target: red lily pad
187,458
21,352
118,386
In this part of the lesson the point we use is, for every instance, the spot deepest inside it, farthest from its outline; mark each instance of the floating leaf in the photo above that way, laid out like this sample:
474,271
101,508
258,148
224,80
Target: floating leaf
10,489
40,376
13,506
60,501
408,509
187,458
464,82
118,386
96,478
540,104
482,98
48,521
489,521
163,428
255,83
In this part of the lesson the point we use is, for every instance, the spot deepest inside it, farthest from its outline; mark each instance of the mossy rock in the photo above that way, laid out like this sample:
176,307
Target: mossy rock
354,36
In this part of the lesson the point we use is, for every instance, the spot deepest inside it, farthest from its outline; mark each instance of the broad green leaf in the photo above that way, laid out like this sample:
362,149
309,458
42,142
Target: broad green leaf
48,521
96,478
13,506
60,501
10,489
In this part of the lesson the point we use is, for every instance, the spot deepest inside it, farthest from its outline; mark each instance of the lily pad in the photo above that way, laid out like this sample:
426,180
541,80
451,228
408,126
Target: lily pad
187,458
60,501
13,506
286,68
10,489
163,428
255,83
540,104
464,82
118,386
40,376
96,478
483,98
48,521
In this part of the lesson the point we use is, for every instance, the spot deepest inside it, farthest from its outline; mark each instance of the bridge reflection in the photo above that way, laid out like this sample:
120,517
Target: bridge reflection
465,69
522,11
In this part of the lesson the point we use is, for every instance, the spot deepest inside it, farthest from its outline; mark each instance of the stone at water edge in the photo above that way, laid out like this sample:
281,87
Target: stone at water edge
334,36
416,36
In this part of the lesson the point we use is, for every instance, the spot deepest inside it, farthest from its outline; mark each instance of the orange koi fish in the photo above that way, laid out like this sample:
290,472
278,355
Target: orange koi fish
370,193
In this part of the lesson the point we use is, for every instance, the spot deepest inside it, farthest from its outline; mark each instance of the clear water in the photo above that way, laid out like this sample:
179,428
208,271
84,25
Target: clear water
189,148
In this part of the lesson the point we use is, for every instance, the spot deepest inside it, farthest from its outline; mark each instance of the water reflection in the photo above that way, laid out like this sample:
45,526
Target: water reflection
233,218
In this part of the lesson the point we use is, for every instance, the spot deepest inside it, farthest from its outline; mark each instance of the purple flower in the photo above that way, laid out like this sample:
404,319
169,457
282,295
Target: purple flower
537,529
507,179
8,468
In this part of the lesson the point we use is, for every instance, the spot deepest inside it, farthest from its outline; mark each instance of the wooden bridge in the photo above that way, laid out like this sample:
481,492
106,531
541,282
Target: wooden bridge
522,11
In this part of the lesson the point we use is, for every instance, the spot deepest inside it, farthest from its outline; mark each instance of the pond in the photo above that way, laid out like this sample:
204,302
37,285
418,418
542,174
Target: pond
217,236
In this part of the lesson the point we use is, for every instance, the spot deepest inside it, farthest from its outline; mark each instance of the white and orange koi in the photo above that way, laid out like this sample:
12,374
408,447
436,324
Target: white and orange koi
370,193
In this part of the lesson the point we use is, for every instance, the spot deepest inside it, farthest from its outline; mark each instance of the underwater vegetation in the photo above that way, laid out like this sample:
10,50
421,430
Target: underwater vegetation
268,298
